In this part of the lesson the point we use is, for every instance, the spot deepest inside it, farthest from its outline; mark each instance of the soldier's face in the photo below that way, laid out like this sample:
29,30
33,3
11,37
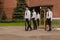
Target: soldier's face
48,9
26,8
33,10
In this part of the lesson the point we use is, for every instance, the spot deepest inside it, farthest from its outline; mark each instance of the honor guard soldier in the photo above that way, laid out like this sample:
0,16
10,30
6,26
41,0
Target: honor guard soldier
38,18
27,18
49,18
34,20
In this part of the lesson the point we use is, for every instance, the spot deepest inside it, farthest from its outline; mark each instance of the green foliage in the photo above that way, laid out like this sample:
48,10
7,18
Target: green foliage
19,10
42,22
3,16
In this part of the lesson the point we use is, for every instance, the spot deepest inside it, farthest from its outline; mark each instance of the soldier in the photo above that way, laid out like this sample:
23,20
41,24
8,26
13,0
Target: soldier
38,18
34,20
49,18
27,18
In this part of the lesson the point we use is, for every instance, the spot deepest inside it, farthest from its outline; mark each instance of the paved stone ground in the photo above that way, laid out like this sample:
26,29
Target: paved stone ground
18,33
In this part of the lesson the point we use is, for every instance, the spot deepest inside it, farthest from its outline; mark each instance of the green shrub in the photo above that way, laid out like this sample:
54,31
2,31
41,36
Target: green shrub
3,16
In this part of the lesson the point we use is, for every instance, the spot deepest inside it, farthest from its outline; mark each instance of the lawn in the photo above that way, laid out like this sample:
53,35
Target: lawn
23,23
12,24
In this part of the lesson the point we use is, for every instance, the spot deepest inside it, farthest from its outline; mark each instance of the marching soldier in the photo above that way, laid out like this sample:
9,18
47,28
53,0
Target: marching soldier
27,18
38,18
34,20
49,18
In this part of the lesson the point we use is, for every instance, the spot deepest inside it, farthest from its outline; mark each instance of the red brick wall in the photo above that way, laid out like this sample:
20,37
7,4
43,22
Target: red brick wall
55,3
9,5
1,6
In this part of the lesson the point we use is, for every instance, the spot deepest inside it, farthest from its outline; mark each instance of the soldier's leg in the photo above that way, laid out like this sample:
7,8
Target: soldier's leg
49,23
27,24
30,26
35,25
38,22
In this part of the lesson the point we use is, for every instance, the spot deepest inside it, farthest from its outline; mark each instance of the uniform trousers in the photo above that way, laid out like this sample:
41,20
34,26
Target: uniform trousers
48,22
29,25
34,24
38,22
